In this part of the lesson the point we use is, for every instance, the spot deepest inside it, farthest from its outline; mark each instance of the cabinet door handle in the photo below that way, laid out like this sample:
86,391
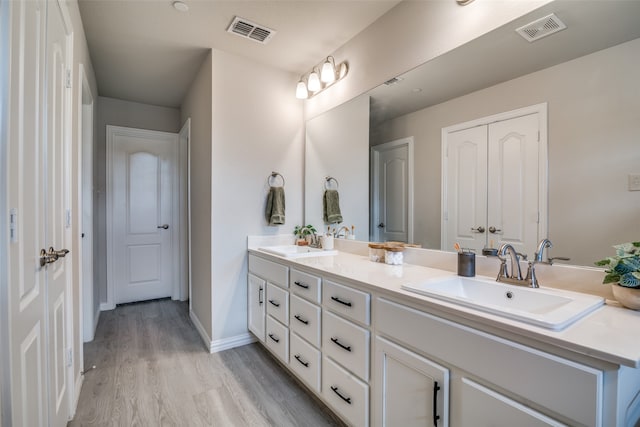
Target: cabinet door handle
302,285
260,301
436,417
274,303
300,319
479,229
338,300
337,342
274,338
302,362
346,399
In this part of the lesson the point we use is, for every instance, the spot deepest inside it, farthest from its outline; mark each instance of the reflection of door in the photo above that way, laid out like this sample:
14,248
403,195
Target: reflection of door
143,202
38,196
492,183
392,191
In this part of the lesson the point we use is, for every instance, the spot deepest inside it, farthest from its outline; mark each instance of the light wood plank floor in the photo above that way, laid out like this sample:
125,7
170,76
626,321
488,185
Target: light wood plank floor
152,369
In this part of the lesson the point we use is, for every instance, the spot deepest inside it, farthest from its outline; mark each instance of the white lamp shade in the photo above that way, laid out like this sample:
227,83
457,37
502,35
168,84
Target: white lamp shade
314,82
301,90
328,72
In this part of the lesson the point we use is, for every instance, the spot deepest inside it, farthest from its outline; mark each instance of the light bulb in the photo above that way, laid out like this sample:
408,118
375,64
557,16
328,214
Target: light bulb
301,90
314,82
328,73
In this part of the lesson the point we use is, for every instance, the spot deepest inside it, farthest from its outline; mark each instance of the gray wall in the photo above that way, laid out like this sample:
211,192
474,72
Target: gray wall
594,123
128,114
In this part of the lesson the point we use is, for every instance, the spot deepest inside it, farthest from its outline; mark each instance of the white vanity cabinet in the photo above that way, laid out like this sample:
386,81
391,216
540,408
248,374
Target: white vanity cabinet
515,378
268,304
411,390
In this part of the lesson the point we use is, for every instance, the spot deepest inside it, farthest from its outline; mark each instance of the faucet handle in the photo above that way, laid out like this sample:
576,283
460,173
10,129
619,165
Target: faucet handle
523,256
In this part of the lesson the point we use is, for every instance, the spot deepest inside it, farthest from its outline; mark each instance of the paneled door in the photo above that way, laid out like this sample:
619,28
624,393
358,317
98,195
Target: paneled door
494,183
142,199
38,197
392,191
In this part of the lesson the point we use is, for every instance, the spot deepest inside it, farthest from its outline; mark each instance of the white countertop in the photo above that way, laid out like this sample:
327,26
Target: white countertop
607,334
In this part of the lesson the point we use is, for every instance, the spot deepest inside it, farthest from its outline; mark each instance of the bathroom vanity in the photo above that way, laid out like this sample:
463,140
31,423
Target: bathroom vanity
378,354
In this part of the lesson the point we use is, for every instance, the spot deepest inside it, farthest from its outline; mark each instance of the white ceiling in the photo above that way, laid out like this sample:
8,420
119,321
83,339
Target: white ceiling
146,51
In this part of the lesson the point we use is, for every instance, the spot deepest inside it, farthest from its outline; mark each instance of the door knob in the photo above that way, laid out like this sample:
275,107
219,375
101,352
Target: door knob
494,230
478,230
46,258
59,254
381,225
165,226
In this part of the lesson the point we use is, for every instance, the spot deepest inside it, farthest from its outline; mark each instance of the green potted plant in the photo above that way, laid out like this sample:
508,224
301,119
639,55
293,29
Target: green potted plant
623,272
301,232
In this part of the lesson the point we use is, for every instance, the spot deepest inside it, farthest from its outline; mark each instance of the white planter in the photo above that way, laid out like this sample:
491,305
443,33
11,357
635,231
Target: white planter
628,297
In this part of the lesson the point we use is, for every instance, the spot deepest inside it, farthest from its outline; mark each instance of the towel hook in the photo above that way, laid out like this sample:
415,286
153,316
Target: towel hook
273,176
327,182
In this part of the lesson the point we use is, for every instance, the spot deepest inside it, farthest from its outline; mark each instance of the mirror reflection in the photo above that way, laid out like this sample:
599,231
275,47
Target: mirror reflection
588,153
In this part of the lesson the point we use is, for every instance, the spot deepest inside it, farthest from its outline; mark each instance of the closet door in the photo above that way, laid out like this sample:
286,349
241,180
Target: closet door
513,183
465,189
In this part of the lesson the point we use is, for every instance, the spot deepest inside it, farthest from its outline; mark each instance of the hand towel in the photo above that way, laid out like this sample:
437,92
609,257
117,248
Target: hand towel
274,212
331,207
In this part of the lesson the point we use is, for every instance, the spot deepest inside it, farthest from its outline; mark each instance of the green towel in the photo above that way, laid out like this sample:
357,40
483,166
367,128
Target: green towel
331,207
274,212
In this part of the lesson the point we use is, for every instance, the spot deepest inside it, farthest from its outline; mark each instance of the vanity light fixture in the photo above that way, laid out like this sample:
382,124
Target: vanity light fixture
317,81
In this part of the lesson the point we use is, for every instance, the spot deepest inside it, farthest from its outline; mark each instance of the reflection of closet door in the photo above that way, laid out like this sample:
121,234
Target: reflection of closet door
465,182
512,199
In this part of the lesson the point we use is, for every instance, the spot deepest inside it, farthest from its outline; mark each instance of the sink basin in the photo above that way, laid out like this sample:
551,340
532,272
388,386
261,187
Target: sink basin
295,251
549,308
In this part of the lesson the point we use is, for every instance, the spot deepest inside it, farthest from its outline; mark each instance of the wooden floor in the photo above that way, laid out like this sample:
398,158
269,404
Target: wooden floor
152,369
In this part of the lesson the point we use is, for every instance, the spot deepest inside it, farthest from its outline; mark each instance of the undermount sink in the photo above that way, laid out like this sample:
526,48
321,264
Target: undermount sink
295,251
549,308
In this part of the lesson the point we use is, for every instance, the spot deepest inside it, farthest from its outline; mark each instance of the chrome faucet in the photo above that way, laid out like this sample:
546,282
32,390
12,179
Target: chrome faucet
340,230
544,243
513,276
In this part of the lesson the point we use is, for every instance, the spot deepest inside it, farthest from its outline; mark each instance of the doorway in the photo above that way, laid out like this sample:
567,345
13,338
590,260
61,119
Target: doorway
392,191
143,215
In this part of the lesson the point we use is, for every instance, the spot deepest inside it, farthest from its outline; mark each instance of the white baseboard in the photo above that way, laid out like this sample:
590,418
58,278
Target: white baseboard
221,344
106,306
200,329
231,342
76,398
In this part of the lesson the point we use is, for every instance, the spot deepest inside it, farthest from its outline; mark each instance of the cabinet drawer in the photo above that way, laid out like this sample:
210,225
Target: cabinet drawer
304,320
277,339
269,270
278,303
305,361
349,302
345,393
346,343
563,386
305,285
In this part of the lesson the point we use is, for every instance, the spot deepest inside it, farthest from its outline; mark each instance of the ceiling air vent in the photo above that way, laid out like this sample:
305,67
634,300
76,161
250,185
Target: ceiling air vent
393,81
250,30
541,28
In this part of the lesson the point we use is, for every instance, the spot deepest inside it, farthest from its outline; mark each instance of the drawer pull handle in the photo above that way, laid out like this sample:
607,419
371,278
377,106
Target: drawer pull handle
300,319
302,285
436,417
302,362
346,399
274,338
339,344
338,300
274,303
260,301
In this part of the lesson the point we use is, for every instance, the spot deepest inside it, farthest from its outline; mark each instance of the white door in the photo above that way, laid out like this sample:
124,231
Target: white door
465,181
256,311
412,390
58,212
38,197
142,198
494,182
26,199
513,189
392,192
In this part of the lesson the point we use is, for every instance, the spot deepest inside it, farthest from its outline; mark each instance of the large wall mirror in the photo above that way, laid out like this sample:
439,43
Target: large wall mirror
587,75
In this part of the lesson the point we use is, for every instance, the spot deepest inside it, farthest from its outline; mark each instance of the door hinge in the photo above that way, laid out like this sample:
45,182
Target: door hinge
67,218
13,225
67,82
69,357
